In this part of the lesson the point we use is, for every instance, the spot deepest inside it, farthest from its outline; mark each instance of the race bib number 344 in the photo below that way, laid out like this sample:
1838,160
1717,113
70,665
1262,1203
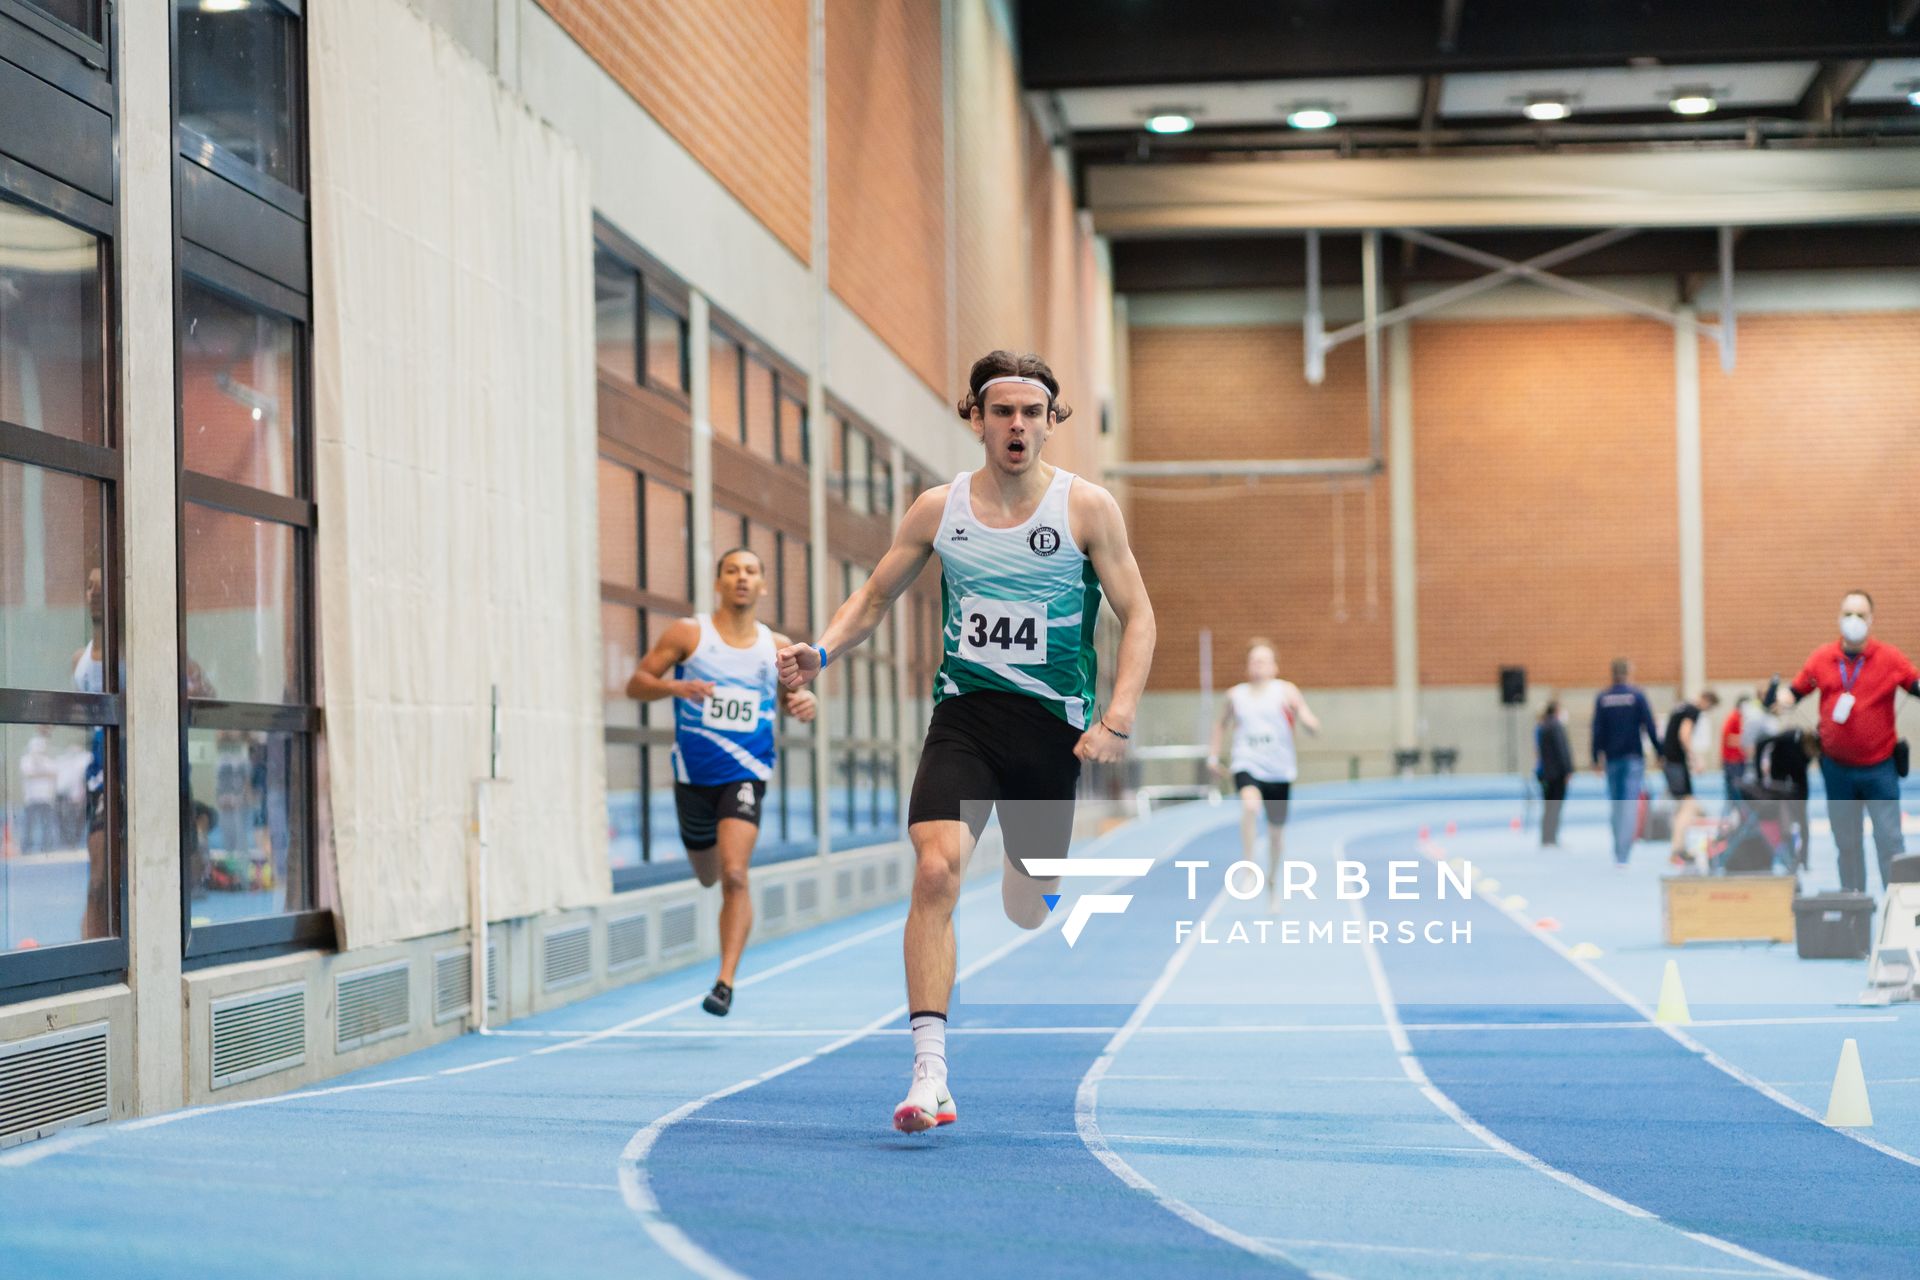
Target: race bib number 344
732,709
1005,631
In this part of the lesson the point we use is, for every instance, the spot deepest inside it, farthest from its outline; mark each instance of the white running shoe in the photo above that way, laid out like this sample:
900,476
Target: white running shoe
928,1103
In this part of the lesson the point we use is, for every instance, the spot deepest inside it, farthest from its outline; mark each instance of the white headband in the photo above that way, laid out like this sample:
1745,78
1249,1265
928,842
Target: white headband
1032,382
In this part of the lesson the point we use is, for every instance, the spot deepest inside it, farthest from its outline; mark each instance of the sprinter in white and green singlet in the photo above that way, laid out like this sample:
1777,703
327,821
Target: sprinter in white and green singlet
1026,550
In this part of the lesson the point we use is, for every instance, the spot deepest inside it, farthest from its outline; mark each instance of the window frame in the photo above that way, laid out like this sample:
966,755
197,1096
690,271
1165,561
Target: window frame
220,258
81,67
788,383
656,285
196,148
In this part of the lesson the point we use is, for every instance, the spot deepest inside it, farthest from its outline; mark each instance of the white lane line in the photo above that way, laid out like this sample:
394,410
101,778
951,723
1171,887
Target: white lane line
475,1066
154,1122
1410,1063
1086,1102
1552,1263
53,1146
1681,1037
786,966
637,1187
60,1142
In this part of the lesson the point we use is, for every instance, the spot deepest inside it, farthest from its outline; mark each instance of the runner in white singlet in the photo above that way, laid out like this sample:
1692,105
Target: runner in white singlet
1261,714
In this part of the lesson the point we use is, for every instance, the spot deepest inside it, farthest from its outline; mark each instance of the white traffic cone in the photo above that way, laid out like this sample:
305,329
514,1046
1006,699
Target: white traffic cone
1847,1105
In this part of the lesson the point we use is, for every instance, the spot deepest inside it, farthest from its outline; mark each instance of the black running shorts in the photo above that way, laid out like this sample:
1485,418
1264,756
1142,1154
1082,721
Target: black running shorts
990,750
1272,794
1679,781
701,808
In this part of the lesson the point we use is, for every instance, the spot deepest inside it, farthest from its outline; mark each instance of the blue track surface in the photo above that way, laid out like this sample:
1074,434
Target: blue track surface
1262,1107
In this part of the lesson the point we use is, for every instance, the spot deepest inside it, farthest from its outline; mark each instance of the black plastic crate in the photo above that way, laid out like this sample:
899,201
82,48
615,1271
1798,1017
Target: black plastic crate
1833,926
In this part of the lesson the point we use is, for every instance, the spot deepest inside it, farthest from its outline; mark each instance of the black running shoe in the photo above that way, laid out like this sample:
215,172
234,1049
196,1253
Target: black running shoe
718,1000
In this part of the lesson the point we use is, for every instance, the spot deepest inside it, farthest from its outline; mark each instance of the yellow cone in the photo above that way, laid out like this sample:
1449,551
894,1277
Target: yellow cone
1585,951
1515,903
1488,886
1847,1105
1673,1000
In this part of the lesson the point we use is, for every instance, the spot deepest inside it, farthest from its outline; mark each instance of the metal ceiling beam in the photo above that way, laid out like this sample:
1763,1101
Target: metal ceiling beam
1451,12
1827,93
1201,468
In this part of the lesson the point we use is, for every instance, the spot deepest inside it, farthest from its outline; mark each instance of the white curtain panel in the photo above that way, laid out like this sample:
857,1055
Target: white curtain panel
455,443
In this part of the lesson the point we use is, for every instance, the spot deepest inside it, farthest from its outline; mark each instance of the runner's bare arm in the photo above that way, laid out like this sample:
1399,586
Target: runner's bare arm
864,609
1222,725
1103,532
798,703
1308,720
650,682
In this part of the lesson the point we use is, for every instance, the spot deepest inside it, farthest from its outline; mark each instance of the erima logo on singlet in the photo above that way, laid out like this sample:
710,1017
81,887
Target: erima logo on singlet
1045,540
959,533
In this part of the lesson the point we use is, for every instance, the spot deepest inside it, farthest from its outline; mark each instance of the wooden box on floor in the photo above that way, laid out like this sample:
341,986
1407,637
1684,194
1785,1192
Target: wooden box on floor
1727,908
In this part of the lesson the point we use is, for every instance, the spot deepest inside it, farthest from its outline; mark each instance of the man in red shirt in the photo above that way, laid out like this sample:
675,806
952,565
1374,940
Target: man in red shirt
1857,678
1733,760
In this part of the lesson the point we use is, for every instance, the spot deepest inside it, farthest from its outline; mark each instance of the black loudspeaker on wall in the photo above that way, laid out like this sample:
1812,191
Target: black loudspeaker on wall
1513,686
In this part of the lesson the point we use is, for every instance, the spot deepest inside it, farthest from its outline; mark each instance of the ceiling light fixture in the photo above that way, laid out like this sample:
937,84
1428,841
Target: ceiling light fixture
224,6
1913,93
1692,102
1546,107
1315,117
1169,122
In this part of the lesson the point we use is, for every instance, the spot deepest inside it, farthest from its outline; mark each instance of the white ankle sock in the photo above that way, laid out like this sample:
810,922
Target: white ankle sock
930,1041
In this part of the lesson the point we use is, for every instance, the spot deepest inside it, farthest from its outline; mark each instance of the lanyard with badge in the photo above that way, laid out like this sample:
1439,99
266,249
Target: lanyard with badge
1843,705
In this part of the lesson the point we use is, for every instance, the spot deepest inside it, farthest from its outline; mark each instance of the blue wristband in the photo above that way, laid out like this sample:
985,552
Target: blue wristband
821,650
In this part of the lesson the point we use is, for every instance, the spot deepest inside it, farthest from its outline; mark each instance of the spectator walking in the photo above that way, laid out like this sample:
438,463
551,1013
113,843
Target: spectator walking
1621,715
1676,763
1555,766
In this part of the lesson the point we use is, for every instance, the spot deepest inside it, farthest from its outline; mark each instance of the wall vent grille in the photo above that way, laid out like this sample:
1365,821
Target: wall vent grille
372,1005
258,1033
53,1082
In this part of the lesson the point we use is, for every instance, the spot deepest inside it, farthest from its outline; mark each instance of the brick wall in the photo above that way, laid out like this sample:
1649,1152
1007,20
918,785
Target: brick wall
886,187
1812,485
1545,499
727,78
1545,496
1284,559
991,166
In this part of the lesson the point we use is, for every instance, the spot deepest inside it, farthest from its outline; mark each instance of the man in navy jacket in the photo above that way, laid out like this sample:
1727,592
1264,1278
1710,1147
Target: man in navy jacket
1620,716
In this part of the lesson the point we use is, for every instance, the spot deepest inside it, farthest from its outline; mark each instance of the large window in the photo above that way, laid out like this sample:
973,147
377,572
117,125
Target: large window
646,542
863,689
241,85
62,887
249,702
865,795
757,401
923,639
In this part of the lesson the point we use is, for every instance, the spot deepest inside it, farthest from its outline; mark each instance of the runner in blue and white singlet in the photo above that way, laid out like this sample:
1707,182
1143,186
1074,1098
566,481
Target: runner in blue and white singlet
726,701
728,735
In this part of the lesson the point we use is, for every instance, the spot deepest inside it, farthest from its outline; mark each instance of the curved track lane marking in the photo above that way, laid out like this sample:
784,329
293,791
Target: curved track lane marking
1410,1063
1086,1102
635,1185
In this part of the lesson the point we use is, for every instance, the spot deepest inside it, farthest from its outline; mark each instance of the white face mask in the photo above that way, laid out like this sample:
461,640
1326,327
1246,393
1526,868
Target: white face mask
1853,628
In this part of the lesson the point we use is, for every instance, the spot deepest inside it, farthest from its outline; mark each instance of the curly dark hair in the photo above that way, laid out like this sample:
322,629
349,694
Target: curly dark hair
1005,364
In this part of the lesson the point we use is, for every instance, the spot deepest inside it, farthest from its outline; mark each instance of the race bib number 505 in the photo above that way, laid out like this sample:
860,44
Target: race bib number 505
732,709
1006,631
